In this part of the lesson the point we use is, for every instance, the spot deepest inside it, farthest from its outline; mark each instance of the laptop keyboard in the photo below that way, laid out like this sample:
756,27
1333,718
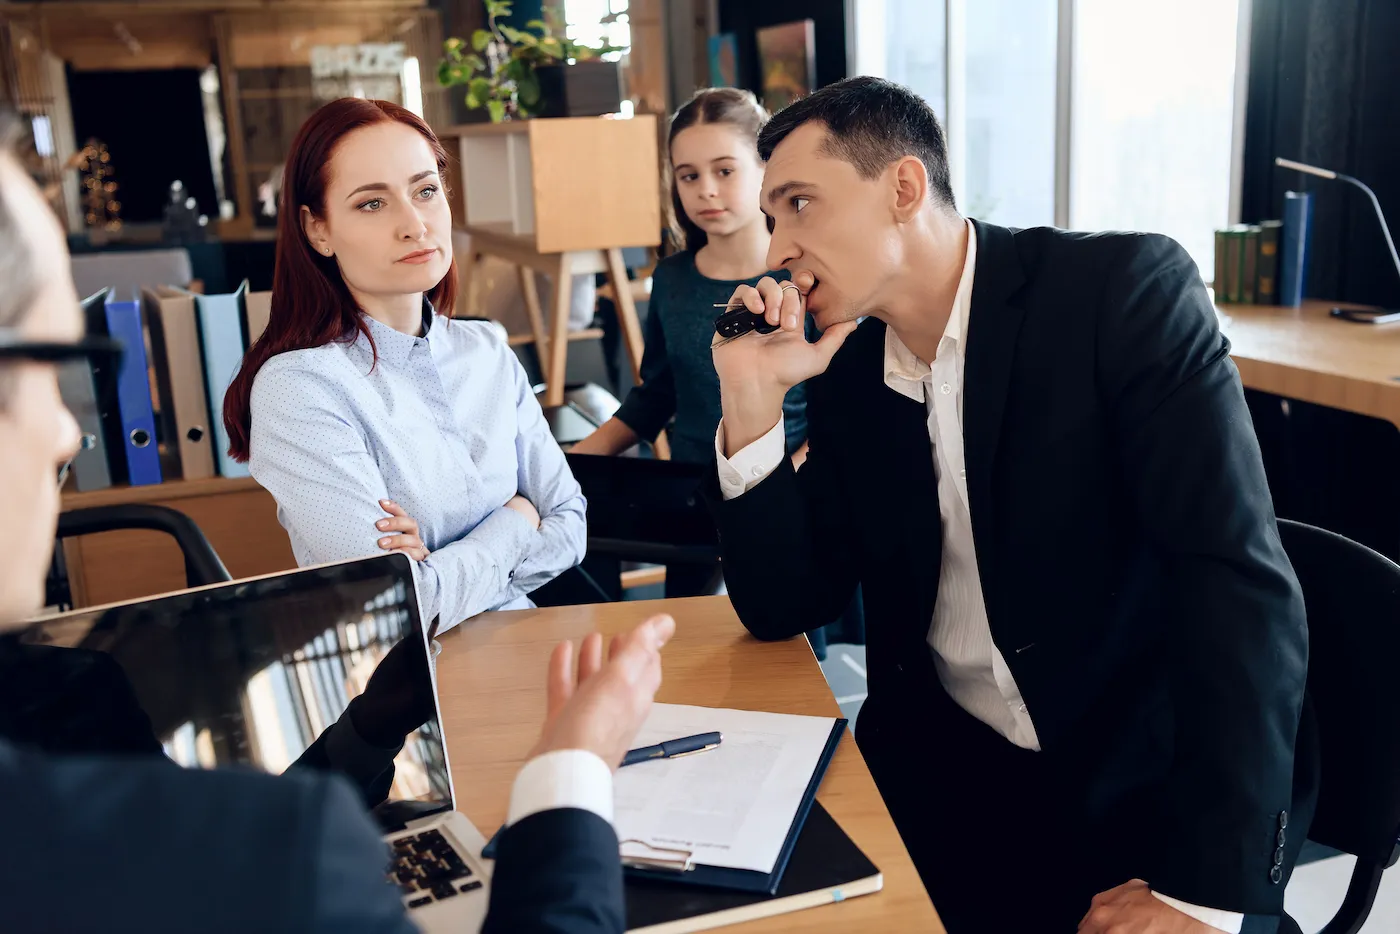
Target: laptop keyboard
427,868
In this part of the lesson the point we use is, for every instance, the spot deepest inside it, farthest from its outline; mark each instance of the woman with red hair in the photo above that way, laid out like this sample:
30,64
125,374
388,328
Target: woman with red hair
376,421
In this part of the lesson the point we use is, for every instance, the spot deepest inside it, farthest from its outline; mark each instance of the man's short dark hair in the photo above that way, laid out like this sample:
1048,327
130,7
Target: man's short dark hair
870,122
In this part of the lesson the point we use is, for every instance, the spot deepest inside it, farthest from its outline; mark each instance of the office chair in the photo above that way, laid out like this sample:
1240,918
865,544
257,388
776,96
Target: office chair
202,564
1353,605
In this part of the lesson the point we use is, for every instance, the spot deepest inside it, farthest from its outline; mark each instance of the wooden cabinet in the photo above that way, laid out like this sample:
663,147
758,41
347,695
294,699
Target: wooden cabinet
237,516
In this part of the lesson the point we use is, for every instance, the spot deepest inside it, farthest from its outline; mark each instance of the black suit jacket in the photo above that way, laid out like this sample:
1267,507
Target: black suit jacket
104,844
1125,538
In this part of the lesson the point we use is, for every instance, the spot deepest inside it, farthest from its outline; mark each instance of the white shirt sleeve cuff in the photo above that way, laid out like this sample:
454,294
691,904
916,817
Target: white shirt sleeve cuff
565,778
748,467
1228,921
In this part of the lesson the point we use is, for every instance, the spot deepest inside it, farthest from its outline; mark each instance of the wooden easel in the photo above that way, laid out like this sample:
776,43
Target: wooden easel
560,196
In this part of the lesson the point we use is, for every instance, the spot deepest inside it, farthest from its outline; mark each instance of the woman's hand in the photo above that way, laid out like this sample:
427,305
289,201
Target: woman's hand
407,540
526,508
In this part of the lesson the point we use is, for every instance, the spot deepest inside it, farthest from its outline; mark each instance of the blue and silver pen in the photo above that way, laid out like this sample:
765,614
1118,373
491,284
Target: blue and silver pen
673,748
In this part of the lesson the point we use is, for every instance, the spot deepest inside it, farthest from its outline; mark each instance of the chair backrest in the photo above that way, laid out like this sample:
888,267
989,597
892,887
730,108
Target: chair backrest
1353,605
202,564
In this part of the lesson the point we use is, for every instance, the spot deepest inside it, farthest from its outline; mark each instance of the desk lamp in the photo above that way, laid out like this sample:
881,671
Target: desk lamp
1360,315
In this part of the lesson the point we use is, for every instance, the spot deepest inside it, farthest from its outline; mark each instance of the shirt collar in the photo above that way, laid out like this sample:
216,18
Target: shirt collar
395,346
904,372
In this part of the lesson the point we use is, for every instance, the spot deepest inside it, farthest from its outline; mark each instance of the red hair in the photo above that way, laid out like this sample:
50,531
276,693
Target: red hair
311,304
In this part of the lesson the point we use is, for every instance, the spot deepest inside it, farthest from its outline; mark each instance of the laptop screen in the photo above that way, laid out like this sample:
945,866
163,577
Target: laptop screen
321,668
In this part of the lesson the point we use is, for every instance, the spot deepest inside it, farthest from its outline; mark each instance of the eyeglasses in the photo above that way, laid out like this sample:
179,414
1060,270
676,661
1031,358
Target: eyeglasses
93,349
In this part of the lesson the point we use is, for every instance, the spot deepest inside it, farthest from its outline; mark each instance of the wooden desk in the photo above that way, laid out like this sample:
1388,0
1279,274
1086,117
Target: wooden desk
491,683
1304,353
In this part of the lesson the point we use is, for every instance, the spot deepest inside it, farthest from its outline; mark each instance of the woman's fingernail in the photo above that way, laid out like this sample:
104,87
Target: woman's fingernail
382,523
384,542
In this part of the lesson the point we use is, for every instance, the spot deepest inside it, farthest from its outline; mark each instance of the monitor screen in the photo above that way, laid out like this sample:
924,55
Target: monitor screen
257,673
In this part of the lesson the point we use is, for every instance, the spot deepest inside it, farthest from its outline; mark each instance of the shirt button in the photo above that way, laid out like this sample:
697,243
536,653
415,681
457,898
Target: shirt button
945,389
962,474
1022,708
756,471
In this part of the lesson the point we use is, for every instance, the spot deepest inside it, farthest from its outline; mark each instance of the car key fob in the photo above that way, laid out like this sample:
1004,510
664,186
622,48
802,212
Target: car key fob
740,321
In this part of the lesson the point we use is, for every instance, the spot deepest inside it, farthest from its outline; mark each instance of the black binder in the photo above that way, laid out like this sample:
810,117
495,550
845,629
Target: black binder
826,866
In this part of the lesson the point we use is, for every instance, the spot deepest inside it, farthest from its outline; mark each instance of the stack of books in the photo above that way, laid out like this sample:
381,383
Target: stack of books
159,414
1266,263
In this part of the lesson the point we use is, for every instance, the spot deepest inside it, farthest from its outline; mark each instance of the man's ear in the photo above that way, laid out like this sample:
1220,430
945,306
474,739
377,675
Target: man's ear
910,180
315,230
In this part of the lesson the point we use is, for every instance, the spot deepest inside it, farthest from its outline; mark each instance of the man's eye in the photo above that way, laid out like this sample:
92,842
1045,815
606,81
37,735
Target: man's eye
798,204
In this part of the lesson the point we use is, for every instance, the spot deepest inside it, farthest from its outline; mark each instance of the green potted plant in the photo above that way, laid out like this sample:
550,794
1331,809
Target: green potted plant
532,72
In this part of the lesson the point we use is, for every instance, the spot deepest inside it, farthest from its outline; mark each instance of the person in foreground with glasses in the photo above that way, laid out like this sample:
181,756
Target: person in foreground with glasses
294,852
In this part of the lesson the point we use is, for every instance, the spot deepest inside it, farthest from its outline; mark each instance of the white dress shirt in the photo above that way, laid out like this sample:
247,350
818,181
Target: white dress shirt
565,778
970,666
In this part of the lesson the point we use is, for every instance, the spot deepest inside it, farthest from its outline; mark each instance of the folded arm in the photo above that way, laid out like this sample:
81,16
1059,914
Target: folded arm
328,489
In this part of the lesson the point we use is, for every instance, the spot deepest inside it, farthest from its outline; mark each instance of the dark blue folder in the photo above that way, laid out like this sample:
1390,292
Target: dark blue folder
1293,249
138,421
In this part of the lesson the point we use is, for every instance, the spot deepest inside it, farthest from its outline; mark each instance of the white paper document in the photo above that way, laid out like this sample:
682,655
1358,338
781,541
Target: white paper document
729,807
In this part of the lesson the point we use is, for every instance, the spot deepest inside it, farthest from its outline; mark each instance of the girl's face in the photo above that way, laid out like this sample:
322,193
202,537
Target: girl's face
718,176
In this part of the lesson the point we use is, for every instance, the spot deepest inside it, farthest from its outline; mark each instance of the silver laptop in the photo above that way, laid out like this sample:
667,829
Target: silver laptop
262,673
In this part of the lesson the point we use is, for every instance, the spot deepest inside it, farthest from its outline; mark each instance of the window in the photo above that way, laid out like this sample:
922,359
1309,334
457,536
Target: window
1005,137
593,22
907,42
1152,118
1137,105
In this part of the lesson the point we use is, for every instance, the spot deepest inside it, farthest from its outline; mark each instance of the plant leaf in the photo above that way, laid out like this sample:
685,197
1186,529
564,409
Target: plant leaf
474,62
539,25
528,87
497,110
481,38
519,37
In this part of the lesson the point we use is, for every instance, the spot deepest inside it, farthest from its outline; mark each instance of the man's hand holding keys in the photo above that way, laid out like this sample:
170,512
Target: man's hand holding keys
756,370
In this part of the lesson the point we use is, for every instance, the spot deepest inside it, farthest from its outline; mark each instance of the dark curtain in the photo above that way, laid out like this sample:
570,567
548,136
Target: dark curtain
1323,79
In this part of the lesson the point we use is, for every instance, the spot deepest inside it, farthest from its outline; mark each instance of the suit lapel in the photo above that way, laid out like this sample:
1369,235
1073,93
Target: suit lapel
992,328
900,433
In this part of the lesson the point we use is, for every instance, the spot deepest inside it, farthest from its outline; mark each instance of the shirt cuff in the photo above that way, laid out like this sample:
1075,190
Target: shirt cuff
565,778
750,466
1228,921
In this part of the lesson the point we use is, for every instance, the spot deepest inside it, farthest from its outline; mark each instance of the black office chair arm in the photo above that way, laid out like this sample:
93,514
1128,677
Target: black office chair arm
1360,897
202,564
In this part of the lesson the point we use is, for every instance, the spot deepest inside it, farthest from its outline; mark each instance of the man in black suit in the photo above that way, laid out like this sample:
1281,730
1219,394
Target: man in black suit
112,843
1086,647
